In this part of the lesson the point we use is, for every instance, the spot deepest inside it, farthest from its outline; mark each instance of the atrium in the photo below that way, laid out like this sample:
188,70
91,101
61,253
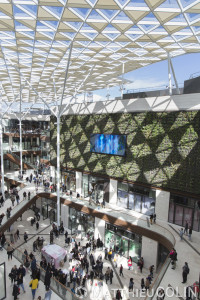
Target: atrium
99,199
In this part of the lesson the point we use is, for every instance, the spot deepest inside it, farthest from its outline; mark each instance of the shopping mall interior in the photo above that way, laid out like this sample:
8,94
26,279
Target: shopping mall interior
99,196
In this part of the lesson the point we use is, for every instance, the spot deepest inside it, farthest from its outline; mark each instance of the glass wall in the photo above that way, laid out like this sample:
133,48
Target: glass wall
136,198
2,281
96,187
79,221
47,208
124,242
69,180
182,209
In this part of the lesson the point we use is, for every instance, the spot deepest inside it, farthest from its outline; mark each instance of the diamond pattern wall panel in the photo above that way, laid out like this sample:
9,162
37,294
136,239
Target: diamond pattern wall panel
163,149
35,36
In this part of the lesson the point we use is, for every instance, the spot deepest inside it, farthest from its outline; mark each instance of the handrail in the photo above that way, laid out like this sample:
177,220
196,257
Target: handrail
56,286
158,279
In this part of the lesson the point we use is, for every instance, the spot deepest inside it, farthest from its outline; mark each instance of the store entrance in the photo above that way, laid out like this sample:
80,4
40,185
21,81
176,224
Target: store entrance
123,242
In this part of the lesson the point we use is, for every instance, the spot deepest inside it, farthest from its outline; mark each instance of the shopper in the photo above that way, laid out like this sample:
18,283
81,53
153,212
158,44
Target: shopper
154,218
9,251
121,271
190,233
33,285
142,284
186,228
185,272
118,295
20,282
25,237
151,219
130,263
181,234
48,294
15,292
131,284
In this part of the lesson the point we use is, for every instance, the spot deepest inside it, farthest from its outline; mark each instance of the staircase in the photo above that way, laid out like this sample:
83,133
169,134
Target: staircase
16,160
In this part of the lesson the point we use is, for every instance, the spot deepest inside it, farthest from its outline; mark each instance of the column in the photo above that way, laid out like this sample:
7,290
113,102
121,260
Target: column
99,230
162,205
38,141
31,157
79,176
52,174
149,252
113,192
65,215
10,142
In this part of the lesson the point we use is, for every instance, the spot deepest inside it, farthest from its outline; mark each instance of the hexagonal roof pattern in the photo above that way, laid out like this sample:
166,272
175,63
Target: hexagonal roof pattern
38,37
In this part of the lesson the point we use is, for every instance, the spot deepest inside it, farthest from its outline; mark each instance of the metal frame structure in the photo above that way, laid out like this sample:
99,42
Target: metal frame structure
50,51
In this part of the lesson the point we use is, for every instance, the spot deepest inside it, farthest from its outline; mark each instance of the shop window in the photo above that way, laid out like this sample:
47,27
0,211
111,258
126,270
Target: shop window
122,199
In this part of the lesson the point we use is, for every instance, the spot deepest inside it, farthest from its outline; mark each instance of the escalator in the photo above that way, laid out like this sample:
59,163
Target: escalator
16,160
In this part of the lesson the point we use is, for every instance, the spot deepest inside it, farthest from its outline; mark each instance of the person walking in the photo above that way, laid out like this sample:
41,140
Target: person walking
131,284
154,218
118,295
142,284
20,282
186,228
181,234
121,271
151,219
190,234
15,292
37,225
174,259
111,276
130,263
48,294
33,285
9,251
185,272
25,237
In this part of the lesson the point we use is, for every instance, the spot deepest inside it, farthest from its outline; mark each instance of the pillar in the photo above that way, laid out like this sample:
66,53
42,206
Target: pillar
52,174
99,230
10,142
79,176
149,252
38,141
65,215
162,205
113,192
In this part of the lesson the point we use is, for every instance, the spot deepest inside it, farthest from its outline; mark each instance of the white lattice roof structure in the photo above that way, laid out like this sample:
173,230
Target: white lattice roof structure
35,39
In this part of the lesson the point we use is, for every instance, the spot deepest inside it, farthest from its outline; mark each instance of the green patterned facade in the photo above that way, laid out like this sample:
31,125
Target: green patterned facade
163,149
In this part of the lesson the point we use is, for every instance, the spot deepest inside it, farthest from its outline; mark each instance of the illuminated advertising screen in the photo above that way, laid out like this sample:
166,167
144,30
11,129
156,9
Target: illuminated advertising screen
108,144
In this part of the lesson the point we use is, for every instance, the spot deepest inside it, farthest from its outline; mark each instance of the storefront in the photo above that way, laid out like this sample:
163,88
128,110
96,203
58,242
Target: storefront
79,221
136,198
124,242
96,187
182,209
69,180
47,208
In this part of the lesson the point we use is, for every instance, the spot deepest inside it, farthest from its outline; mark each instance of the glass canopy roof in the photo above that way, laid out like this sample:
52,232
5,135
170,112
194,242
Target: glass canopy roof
35,39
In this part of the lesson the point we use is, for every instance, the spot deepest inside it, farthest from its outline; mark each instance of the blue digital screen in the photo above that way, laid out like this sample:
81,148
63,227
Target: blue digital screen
108,144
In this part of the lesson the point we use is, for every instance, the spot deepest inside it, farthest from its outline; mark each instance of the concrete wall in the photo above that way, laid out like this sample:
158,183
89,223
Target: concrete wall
113,191
79,182
99,230
162,103
162,205
53,174
149,252
65,215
